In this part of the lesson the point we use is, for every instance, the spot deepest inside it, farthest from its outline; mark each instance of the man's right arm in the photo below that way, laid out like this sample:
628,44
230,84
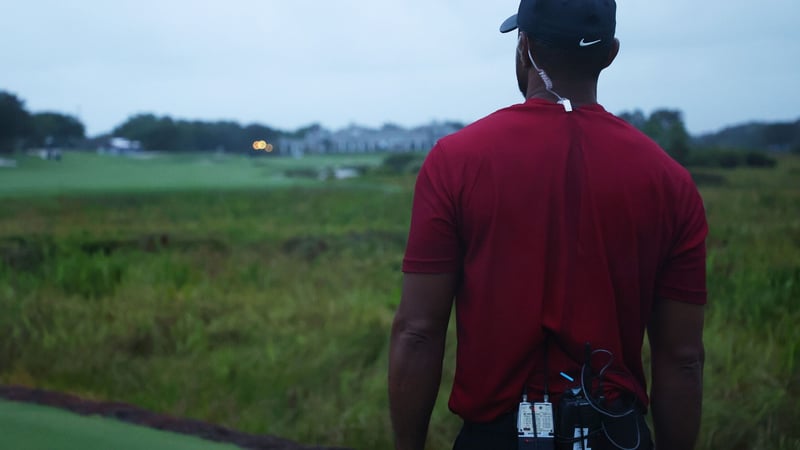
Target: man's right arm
676,342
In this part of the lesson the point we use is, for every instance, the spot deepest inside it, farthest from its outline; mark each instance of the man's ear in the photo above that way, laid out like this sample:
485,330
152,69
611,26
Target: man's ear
612,54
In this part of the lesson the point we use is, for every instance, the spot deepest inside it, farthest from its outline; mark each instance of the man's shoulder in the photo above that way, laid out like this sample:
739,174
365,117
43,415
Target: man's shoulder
627,138
484,130
621,130
644,155
540,119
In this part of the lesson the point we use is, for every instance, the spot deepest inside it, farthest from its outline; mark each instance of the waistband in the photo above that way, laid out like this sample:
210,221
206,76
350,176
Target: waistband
502,424
631,430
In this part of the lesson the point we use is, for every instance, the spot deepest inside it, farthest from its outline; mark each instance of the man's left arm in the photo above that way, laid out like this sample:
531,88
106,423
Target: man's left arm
416,353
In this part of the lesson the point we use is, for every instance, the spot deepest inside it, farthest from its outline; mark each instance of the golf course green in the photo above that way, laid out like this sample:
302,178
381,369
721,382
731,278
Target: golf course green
33,427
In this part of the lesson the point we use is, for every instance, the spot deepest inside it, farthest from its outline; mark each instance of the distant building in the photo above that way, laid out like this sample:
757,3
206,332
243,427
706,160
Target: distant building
118,146
359,139
50,154
47,154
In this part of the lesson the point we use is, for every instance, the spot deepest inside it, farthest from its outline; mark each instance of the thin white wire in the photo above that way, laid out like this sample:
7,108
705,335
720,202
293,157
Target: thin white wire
548,83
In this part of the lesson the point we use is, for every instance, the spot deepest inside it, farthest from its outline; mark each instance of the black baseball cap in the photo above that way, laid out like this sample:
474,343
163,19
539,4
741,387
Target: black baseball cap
566,23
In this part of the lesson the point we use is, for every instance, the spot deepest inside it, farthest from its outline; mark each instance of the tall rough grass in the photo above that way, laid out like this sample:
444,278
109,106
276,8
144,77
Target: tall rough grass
269,310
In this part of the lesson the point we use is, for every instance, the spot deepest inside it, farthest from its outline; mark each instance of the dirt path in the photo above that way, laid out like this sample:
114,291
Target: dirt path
139,416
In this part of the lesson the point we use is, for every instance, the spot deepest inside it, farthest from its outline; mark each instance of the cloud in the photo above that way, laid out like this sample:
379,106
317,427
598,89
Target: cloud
288,63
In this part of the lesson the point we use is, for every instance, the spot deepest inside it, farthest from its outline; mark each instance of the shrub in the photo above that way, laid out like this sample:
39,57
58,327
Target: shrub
715,157
400,163
708,179
86,275
730,158
759,159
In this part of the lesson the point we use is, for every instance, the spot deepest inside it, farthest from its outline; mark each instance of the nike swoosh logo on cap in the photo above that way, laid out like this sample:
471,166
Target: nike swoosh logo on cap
583,43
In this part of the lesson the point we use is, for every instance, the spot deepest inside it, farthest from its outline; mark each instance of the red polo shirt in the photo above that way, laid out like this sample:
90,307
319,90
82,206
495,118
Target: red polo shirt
569,222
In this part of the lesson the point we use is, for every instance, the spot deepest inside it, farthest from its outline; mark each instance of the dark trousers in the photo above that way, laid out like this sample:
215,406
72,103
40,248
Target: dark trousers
501,434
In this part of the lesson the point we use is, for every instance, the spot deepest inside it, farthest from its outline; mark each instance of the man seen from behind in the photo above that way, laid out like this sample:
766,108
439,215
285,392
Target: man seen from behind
561,234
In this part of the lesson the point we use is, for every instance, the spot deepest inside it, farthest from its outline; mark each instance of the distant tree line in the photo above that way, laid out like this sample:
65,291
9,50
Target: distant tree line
20,129
666,127
744,145
775,137
166,134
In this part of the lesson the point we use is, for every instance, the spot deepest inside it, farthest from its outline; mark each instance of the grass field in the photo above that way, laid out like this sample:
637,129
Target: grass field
227,292
33,427
96,174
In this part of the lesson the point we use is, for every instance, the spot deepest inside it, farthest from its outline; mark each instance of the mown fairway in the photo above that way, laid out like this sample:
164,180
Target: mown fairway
87,173
33,427
228,292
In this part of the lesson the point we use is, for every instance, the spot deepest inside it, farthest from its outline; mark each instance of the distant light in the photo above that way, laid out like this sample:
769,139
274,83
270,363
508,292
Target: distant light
261,145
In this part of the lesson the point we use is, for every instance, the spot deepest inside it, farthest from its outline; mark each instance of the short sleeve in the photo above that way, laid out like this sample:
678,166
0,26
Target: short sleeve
433,243
683,275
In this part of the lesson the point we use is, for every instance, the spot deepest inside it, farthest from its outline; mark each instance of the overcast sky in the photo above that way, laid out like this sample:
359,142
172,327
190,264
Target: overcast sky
288,63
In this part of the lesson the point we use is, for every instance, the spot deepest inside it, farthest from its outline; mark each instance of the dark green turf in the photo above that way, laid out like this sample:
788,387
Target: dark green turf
32,427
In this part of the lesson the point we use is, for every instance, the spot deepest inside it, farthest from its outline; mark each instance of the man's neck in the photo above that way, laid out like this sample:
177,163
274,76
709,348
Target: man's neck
579,93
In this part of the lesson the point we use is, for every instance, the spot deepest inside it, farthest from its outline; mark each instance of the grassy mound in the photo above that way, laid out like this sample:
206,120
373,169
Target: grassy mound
267,307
